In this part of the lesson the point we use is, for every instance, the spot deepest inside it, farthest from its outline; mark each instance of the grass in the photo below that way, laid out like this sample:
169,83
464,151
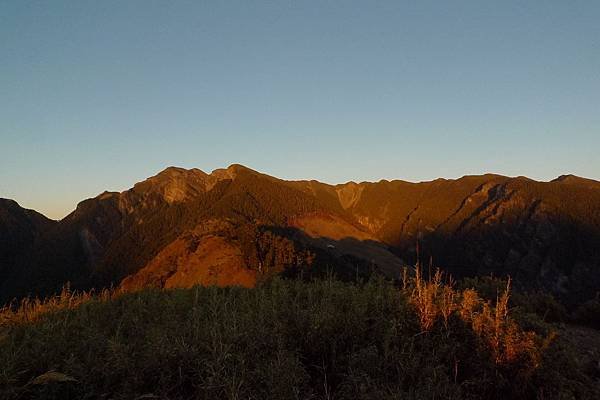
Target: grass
285,339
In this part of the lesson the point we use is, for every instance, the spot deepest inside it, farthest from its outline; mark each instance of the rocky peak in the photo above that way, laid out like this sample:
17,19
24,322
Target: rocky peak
173,184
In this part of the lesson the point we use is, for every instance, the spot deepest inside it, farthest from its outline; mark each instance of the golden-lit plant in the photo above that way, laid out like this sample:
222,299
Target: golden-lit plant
30,309
435,300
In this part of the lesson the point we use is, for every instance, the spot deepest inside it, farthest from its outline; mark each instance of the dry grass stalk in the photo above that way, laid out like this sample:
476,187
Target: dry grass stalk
434,300
30,309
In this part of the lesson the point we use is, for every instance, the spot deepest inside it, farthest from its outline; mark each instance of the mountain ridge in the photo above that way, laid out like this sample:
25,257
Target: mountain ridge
232,169
473,225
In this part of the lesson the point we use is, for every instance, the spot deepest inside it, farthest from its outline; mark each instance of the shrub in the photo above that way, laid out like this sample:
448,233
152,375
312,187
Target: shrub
434,300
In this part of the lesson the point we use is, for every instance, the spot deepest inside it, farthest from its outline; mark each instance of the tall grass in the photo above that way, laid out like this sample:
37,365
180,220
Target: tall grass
30,309
285,339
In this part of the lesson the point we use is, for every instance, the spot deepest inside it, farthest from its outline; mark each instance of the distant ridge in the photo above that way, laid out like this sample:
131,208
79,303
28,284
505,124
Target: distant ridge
235,226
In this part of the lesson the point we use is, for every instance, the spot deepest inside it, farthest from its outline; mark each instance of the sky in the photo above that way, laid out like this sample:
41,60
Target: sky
97,95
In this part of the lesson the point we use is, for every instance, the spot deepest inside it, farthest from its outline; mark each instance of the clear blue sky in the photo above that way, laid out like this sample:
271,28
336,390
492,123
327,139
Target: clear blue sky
96,95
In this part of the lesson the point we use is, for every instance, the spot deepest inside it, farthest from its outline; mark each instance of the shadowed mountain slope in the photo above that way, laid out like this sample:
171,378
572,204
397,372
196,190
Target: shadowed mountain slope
19,229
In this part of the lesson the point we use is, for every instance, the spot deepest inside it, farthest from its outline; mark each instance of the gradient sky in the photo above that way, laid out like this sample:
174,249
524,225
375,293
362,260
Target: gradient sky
96,95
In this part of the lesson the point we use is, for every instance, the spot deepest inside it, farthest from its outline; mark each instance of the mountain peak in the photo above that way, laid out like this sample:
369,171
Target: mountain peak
239,167
174,184
173,171
231,172
566,178
8,202
577,180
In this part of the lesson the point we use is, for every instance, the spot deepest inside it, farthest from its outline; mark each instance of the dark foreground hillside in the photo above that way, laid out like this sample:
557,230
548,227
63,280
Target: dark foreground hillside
285,340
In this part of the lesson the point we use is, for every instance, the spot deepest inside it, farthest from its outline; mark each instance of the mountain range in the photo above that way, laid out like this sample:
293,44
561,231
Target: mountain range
236,226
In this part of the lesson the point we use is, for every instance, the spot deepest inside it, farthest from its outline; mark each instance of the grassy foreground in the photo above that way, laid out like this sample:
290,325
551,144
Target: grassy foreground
282,340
